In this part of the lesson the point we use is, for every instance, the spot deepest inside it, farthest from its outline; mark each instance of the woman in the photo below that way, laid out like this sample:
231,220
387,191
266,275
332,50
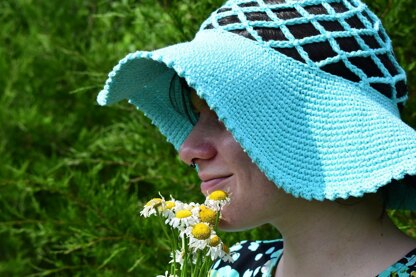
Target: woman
293,107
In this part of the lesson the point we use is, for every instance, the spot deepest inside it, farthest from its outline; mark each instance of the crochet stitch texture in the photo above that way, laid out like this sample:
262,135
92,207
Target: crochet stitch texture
369,36
314,134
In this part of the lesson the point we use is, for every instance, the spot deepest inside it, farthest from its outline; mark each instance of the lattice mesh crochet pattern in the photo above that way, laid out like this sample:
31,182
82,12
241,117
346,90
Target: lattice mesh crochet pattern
341,37
315,135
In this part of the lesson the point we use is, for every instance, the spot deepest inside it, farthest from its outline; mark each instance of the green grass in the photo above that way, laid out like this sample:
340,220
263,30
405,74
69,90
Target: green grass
74,175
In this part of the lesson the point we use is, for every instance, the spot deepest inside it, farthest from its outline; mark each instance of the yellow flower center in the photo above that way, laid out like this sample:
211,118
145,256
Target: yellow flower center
183,214
201,231
218,195
154,202
225,249
215,240
207,215
169,205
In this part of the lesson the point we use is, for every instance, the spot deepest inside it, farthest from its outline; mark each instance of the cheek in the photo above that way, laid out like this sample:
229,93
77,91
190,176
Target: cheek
240,215
232,149
253,202
252,193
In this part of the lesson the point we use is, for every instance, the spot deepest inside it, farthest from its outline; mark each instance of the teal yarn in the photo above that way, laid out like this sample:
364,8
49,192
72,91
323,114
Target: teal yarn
314,134
244,15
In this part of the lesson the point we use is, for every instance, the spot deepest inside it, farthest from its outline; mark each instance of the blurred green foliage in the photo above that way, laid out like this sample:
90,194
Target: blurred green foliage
73,175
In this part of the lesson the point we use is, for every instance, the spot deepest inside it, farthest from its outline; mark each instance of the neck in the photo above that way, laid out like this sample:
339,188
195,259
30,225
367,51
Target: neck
332,239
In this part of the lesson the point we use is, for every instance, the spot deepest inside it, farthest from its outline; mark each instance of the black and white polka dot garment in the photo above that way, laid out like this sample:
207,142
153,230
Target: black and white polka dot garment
259,258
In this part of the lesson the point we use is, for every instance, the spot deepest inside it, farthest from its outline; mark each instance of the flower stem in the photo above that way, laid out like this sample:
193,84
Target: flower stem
197,266
174,246
204,266
185,260
217,219
171,239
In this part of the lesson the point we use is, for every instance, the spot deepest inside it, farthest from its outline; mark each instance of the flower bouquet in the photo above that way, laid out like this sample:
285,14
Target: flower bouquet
190,230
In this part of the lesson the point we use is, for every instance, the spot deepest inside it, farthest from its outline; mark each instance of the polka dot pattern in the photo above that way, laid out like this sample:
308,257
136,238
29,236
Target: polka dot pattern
262,261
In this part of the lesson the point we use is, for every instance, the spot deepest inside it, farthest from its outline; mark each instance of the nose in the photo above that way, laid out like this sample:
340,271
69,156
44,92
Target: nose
197,147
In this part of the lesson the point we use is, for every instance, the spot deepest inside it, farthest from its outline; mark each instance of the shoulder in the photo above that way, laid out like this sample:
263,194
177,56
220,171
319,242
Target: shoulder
250,259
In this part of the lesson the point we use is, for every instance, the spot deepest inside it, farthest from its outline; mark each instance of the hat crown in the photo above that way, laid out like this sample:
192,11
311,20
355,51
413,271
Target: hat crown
341,37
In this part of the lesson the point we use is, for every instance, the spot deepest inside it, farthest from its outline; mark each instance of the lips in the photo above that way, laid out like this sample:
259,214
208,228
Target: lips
211,184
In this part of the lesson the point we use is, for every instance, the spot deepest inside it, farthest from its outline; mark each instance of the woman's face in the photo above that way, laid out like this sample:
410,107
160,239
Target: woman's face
222,164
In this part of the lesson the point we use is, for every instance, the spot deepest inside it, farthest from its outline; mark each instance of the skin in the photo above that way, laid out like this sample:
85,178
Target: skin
217,154
349,236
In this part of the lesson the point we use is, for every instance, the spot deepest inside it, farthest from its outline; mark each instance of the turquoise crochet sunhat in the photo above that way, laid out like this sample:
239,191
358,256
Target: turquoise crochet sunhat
316,133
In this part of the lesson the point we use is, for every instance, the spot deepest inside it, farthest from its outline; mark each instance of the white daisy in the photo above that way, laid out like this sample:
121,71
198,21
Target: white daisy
227,258
217,249
199,235
168,208
217,199
207,215
185,215
179,257
151,207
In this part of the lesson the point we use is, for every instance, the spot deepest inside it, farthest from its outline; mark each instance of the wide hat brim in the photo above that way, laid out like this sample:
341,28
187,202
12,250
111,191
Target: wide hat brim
315,135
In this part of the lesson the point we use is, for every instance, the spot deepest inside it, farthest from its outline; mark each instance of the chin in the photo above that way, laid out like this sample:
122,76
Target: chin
226,227
229,225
